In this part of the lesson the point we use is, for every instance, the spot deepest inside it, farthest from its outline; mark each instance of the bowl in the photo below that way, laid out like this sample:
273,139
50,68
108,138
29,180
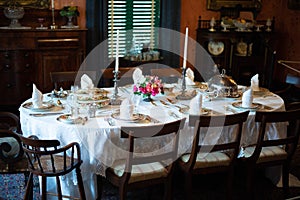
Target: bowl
14,13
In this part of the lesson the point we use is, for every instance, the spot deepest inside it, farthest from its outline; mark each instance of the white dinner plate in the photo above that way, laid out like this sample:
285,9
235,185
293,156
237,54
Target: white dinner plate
46,106
254,106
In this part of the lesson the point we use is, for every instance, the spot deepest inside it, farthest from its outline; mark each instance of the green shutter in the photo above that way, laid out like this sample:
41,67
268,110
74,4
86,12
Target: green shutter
133,15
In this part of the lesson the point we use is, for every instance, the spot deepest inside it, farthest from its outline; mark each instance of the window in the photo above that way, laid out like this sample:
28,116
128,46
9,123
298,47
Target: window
135,20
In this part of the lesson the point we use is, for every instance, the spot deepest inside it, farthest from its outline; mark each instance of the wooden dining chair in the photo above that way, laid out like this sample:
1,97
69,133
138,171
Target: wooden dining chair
47,159
212,158
12,158
167,75
291,93
148,169
124,76
63,79
273,152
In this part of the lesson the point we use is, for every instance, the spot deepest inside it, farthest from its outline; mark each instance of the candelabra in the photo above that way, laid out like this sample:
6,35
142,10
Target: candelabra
183,95
53,26
115,98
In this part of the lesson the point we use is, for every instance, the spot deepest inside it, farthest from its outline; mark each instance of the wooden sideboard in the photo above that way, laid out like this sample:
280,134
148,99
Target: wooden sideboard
241,53
28,56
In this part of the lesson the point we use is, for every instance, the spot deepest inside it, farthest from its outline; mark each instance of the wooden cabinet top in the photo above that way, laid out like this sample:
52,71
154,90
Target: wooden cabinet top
12,39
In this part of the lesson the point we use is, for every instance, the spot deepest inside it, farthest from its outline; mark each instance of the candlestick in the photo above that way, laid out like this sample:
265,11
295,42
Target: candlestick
115,100
117,53
185,47
52,4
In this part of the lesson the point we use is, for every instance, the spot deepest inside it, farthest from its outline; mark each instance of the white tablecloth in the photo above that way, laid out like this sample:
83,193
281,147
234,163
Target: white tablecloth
100,142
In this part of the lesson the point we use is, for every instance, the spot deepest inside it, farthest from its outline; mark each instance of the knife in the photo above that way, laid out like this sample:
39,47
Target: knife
45,114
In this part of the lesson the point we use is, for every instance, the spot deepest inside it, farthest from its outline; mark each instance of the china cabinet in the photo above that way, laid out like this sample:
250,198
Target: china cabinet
28,56
241,52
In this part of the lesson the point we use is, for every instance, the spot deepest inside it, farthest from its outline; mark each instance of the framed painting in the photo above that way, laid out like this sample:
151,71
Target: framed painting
253,5
294,4
39,4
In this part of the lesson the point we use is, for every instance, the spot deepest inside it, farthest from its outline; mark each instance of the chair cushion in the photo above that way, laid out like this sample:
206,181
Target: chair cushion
212,159
141,172
59,164
267,153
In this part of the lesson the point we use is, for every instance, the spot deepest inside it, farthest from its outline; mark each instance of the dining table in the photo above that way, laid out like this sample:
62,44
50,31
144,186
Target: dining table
99,135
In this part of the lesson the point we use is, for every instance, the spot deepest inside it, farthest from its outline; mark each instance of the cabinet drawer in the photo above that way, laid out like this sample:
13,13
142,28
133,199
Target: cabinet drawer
58,42
17,61
15,87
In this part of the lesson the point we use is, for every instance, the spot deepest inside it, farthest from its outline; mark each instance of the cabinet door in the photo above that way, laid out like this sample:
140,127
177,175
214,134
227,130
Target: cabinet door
58,60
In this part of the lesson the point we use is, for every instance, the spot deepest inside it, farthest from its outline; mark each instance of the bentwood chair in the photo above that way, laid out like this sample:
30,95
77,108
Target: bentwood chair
273,152
12,159
150,168
47,159
212,158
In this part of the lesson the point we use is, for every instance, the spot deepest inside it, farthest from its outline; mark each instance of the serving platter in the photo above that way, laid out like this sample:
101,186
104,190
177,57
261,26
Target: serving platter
46,106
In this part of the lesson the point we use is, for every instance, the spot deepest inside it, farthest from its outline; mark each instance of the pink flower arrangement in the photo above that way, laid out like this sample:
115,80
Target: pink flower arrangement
151,86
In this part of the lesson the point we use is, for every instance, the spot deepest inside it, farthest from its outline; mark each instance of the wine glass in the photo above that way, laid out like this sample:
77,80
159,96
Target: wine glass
41,21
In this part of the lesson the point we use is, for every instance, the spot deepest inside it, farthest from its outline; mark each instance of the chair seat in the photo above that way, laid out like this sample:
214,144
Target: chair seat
15,167
212,159
267,154
140,172
59,164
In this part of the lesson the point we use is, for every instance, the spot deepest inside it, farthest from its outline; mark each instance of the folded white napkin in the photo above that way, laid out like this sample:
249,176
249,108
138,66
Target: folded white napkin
189,80
126,109
138,76
86,82
247,98
255,83
196,105
37,97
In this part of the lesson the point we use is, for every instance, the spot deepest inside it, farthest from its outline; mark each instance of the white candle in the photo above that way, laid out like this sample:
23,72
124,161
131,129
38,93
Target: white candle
185,47
52,3
117,53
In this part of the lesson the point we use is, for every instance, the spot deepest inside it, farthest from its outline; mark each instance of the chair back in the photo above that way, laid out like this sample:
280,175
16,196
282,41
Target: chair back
46,157
10,144
124,76
10,121
204,121
63,79
134,133
167,75
291,118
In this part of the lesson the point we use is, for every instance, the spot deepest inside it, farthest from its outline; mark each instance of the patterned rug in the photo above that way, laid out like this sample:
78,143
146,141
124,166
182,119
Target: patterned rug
12,187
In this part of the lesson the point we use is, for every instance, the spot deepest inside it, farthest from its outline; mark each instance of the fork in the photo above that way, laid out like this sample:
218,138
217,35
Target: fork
110,121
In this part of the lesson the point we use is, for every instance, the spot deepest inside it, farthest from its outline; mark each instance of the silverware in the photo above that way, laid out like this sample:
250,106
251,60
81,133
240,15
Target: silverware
173,115
45,114
110,121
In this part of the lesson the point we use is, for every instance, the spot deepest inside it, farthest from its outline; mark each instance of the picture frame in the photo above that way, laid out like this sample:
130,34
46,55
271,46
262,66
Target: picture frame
251,5
293,4
38,4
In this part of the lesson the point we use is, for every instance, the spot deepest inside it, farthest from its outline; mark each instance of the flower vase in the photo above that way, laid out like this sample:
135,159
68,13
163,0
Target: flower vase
147,98
70,21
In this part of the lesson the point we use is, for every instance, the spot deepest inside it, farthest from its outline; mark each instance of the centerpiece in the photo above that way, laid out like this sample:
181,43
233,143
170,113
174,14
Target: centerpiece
151,86
70,12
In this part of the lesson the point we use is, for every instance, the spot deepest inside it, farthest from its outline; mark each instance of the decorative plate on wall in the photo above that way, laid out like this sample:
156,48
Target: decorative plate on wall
215,48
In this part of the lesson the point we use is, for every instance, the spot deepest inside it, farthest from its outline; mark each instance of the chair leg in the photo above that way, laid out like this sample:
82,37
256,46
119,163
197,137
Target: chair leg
188,185
44,187
285,179
29,188
58,188
99,186
80,184
230,183
250,178
122,192
168,189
